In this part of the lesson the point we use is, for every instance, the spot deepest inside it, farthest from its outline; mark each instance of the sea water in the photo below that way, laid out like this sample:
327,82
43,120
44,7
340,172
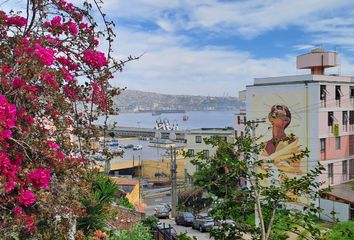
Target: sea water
197,119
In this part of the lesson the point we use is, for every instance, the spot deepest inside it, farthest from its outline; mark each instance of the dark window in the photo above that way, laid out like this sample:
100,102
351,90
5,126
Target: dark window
235,133
351,117
241,134
191,152
330,172
225,139
198,139
345,170
323,92
206,153
345,117
351,91
323,144
330,118
338,93
337,143
238,120
244,120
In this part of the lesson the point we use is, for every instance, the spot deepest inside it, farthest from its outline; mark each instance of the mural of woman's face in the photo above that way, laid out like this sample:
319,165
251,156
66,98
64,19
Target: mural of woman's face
279,116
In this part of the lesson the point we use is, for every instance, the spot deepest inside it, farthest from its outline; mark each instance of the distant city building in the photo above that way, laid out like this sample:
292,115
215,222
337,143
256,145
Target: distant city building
195,143
313,111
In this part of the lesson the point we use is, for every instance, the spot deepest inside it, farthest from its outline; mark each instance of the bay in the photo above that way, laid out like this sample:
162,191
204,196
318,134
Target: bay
196,119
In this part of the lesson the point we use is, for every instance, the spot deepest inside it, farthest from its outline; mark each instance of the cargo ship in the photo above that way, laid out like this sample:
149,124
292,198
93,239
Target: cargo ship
159,112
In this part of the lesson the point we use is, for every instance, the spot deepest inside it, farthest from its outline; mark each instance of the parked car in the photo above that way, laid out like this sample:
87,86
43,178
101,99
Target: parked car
162,212
137,147
203,222
184,218
128,146
225,222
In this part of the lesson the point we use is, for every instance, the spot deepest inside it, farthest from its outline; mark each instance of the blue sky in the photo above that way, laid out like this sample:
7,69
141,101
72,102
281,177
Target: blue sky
211,47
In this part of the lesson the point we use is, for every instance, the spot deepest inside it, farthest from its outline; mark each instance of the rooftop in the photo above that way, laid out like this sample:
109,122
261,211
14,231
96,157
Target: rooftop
302,78
342,192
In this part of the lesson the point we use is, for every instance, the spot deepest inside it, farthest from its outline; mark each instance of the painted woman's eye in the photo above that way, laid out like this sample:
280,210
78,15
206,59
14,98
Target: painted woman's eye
279,107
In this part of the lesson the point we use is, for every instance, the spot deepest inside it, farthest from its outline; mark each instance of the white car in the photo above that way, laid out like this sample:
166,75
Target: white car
137,147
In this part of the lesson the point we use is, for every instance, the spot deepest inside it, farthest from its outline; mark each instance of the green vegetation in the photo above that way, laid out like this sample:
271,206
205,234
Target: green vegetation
124,202
150,222
271,190
183,236
342,231
98,206
138,232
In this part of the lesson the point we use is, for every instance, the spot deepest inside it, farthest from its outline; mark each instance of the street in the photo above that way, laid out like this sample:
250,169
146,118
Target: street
153,202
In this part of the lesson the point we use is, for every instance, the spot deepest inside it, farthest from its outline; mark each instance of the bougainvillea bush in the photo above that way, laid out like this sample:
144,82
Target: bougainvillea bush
54,82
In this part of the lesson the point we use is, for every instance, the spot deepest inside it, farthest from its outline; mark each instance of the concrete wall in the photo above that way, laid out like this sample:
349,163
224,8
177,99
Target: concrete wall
341,210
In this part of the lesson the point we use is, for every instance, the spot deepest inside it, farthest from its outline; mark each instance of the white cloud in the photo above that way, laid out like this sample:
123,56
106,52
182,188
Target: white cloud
248,18
169,66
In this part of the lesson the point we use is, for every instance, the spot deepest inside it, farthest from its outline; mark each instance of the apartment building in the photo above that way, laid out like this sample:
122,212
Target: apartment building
195,142
314,111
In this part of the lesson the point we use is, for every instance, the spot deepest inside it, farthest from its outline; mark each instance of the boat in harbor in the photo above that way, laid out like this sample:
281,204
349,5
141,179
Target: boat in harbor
159,112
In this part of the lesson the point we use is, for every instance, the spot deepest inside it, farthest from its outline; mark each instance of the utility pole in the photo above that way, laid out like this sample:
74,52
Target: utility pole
253,125
174,200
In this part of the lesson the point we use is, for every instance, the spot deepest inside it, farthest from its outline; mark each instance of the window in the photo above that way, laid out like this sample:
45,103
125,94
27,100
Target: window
244,120
235,133
198,139
206,153
238,120
345,170
191,152
345,117
338,93
322,145
351,91
351,117
225,139
330,172
330,118
337,143
241,134
323,92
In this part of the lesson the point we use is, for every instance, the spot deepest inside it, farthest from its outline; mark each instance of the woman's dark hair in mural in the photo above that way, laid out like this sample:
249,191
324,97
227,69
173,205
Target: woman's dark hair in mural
280,118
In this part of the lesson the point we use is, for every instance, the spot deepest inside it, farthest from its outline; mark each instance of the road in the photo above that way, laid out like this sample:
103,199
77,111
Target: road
190,232
153,202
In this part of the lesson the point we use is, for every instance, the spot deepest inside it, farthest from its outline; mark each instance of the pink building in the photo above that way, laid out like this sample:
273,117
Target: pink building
316,109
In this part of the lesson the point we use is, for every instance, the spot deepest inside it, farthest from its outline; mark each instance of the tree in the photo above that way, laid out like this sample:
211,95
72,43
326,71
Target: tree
54,83
269,194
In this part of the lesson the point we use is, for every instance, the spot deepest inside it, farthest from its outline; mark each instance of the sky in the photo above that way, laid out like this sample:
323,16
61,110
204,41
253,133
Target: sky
216,48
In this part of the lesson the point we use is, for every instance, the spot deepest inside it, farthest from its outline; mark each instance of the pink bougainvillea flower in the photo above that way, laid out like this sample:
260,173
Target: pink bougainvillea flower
18,211
17,21
45,55
73,28
27,198
94,58
9,186
29,224
7,118
50,80
40,178
53,145
56,22
18,82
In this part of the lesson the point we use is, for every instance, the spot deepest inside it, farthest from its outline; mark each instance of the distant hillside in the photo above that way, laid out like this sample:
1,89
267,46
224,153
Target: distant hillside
135,101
